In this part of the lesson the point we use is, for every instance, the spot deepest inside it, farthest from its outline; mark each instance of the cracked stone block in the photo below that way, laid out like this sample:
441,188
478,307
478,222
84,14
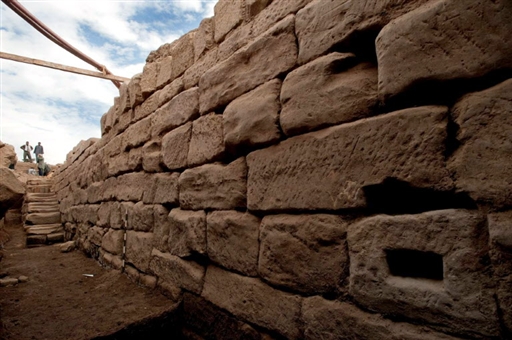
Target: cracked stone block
232,240
483,162
175,147
430,267
206,141
304,253
327,169
187,232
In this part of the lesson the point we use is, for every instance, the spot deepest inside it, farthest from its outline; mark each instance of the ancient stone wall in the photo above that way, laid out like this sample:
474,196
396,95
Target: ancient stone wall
325,169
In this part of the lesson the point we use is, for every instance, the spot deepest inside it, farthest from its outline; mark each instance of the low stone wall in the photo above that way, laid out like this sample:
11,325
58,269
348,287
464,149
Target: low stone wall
314,169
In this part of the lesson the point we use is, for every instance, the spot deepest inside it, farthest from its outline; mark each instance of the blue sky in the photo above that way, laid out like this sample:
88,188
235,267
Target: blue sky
58,108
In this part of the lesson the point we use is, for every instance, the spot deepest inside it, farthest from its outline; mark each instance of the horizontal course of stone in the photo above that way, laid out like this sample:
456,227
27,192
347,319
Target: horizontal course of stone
313,169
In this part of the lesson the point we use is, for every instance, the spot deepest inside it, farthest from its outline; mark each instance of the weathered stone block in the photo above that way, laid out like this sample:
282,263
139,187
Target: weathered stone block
165,75
251,120
175,147
483,162
214,186
254,301
161,228
147,107
187,232
500,232
323,25
306,253
152,157
235,40
455,48
429,267
138,249
135,90
148,79
182,53
137,134
194,72
95,235
203,39
206,141
164,189
181,109
113,241
140,218
228,15
254,7
273,13
180,273
327,169
250,66
339,320
337,92
169,91
233,240
132,186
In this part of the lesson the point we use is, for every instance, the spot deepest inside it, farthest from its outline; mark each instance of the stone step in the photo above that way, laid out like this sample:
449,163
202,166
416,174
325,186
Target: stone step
42,218
39,240
36,208
44,229
40,197
39,189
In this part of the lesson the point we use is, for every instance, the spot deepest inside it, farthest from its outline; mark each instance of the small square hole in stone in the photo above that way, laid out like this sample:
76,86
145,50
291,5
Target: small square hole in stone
415,263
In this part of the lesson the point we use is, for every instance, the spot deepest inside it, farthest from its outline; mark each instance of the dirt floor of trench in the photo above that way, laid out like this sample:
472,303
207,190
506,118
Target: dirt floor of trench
59,302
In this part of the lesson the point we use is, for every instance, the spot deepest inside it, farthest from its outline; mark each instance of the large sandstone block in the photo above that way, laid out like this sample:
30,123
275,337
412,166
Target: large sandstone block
483,162
266,57
500,232
148,79
140,217
164,75
152,157
233,240
206,141
147,107
135,90
328,91
187,232
169,91
324,25
254,301
214,186
203,39
306,253
251,120
133,186
228,15
175,147
193,73
138,249
177,272
438,42
137,134
161,228
43,218
325,319
430,267
327,169
113,241
164,189
181,109
11,190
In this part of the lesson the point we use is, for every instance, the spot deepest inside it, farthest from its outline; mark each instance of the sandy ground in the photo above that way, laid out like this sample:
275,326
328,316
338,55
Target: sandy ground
60,302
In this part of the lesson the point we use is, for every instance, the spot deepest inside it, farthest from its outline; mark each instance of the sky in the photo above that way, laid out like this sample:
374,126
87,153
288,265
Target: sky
59,109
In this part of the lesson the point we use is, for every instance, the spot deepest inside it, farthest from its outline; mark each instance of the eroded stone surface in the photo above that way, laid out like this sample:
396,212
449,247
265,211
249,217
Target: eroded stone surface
249,67
113,241
251,120
306,253
206,141
228,14
254,301
138,249
187,232
339,320
459,297
233,240
338,91
483,162
455,49
175,147
327,169
214,186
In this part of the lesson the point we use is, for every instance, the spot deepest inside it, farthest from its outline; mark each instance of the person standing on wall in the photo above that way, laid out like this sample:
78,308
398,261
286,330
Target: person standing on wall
27,149
38,150
40,164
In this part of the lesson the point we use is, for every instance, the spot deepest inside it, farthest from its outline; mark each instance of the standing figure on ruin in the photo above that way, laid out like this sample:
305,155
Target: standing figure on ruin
38,150
27,149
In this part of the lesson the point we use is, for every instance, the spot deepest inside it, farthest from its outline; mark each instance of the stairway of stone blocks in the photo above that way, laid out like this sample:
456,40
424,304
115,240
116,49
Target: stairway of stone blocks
42,220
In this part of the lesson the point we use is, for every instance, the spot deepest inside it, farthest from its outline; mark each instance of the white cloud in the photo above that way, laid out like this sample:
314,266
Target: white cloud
57,108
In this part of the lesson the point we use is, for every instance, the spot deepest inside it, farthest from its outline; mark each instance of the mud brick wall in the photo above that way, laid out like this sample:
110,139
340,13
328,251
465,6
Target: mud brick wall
314,169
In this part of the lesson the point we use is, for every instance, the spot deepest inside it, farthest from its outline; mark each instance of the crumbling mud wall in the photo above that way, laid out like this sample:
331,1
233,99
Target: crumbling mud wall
314,169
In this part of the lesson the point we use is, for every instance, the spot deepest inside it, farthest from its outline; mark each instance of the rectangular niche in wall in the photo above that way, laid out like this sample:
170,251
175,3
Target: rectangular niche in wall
415,264
425,267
